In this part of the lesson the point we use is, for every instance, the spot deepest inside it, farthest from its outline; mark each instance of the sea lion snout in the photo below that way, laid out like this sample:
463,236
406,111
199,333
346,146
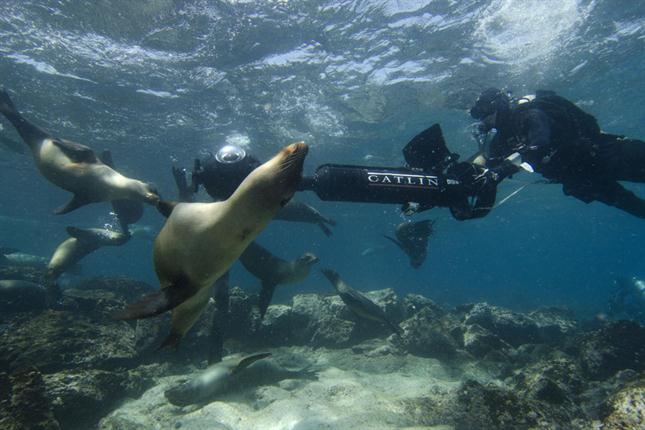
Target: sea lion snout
293,157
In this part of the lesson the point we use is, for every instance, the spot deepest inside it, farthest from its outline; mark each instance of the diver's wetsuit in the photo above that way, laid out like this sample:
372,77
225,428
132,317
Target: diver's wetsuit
565,145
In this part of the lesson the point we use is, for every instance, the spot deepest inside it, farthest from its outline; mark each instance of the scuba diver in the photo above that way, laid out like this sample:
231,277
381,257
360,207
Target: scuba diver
563,143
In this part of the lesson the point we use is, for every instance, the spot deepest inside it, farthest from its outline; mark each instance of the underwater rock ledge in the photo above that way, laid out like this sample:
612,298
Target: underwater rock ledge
476,366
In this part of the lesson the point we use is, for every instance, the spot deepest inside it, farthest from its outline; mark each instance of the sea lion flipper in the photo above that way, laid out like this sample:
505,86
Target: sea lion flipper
81,234
396,242
165,207
30,133
6,105
266,294
106,158
127,211
171,341
331,275
75,151
157,303
247,361
325,229
75,203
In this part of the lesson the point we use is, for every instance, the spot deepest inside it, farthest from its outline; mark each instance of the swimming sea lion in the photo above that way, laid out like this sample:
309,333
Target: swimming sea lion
13,257
200,241
412,238
273,271
358,302
216,379
74,167
17,295
302,212
81,243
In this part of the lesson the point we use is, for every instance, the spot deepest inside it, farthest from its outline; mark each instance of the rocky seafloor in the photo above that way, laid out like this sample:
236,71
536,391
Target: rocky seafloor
474,367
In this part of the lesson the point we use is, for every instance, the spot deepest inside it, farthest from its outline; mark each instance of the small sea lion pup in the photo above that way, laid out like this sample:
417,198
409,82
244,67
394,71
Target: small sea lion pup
200,241
412,238
74,167
82,242
273,271
358,303
216,379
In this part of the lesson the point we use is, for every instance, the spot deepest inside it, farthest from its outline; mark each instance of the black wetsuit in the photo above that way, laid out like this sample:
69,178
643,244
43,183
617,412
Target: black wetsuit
565,145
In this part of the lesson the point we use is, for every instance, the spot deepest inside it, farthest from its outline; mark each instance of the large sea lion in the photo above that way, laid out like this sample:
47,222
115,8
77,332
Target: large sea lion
74,167
302,212
358,303
412,238
200,241
273,271
216,379
82,242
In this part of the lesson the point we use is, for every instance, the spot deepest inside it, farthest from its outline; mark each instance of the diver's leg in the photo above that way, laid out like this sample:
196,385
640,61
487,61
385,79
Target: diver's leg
219,326
614,194
630,164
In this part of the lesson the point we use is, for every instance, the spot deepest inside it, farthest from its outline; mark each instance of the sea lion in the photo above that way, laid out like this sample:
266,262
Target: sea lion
412,238
302,212
74,167
273,271
13,257
358,302
18,295
200,241
216,379
81,243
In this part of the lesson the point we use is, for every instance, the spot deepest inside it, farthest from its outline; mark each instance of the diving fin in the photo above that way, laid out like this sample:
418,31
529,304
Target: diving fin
428,151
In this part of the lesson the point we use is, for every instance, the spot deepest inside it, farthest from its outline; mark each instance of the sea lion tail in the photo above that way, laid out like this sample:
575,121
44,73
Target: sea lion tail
6,105
248,360
157,303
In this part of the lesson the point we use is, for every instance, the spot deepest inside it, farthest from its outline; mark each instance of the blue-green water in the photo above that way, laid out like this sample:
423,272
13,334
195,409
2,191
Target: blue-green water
163,81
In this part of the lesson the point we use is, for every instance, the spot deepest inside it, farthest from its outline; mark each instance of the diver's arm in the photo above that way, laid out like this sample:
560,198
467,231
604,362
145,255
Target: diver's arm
537,128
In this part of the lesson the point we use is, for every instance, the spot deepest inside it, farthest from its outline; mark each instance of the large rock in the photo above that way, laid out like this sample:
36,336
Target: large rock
425,335
617,346
57,340
626,409
512,327
24,403
481,342
81,398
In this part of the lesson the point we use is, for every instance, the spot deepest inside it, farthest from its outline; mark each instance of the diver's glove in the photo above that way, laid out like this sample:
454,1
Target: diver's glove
184,191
